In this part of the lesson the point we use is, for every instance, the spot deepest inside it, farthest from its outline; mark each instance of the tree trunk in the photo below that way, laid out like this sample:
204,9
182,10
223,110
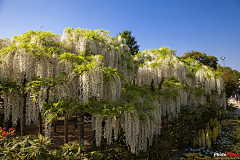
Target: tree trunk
54,124
3,121
152,87
134,79
40,123
5,124
22,122
55,119
22,119
65,128
81,128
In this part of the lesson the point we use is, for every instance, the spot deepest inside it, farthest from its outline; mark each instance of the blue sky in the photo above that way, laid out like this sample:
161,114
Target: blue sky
209,26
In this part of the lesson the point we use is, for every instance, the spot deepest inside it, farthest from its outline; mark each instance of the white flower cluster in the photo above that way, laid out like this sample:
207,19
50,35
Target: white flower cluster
32,110
138,135
5,43
98,129
78,42
108,129
160,67
165,69
12,102
48,127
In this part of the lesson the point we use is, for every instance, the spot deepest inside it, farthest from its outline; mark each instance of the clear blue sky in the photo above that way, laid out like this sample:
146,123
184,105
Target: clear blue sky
209,26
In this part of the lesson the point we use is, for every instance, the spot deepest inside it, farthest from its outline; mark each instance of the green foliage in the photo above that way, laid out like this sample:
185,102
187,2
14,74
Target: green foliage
231,108
190,75
203,113
37,84
109,72
170,93
159,54
72,151
130,99
160,149
90,34
43,49
10,49
202,57
235,137
171,88
25,148
7,86
59,107
75,59
37,148
88,64
114,153
230,79
128,103
130,41
172,82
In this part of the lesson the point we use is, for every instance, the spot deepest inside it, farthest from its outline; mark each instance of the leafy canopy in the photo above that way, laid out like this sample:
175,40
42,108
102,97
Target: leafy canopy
202,57
130,41
230,79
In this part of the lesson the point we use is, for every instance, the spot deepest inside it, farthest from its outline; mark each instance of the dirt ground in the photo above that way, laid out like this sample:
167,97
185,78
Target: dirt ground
57,138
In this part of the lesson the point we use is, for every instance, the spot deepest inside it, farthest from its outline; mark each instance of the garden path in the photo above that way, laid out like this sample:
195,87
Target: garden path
234,102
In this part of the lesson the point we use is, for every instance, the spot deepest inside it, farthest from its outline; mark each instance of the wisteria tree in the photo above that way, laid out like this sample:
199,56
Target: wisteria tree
90,72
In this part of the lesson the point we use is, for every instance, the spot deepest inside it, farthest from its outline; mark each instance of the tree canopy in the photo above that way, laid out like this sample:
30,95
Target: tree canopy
202,57
231,79
130,41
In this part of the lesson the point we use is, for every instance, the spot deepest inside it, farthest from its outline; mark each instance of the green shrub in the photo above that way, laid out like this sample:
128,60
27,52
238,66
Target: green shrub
37,149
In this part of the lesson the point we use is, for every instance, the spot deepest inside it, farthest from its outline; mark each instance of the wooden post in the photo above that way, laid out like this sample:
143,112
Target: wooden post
65,128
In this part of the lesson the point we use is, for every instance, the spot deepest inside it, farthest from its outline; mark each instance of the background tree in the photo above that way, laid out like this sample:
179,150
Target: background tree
130,41
231,79
202,57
